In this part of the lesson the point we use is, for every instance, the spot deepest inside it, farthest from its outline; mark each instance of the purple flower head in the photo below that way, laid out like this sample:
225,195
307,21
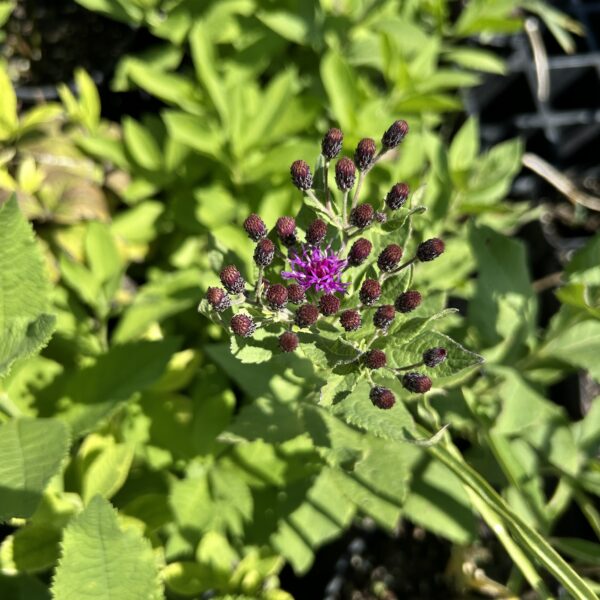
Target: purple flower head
317,268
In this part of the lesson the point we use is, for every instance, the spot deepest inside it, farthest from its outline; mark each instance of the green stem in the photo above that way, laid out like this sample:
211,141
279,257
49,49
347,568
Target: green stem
361,176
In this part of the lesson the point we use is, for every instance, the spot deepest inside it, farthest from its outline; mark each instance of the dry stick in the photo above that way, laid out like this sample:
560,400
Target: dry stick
560,181
547,282
540,58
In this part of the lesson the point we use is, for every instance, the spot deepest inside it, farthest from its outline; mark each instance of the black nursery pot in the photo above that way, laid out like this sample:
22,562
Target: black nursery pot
46,41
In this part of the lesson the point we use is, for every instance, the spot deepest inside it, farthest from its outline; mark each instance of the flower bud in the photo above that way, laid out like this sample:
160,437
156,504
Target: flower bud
380,216
430,249
232,280
397,196
218,299
359,252
301,176
361,216
306,315
416,382
316,232
255,227
434,356
329,305
276,296
288,341
389,258
384,316
286,230
345,173
395,134
350,320
364,155
264,252
296,293
408,301
242,325
382,397
370,291
332,143
375,359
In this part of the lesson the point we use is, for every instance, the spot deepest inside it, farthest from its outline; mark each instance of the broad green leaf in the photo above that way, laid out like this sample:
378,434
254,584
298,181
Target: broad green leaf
357,409
25,326
89,99
289,25
107,472
101,561
32,452
578,345
141,145
23,587
102,253
93,393
189,579
196,132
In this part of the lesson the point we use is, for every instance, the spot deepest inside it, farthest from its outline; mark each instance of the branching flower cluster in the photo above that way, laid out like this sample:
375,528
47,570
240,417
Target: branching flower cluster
304,276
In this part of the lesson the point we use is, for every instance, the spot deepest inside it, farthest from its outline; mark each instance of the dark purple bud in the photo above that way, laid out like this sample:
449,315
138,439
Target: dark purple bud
365,154
306,315
316,232
362,216
359,252
375,359
389,258
286,230
430,249
264,252
350,320
329,304
384,316
255,227
416,382
380,216
397,196
395,134
345,173
218,299
382,397
408,301
232,280
296,293
276,296
434,356
332,143
370,291
301,176
288,341
242,325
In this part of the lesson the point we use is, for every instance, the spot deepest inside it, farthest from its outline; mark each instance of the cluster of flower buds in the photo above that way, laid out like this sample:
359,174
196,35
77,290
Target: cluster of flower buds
311,270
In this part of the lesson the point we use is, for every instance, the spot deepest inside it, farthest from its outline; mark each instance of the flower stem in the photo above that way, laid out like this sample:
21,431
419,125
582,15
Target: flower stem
258,287
345,209
361,176
326,186
407,367
326,209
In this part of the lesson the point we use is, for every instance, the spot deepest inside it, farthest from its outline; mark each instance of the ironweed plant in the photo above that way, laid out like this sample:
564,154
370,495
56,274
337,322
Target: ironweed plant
338,279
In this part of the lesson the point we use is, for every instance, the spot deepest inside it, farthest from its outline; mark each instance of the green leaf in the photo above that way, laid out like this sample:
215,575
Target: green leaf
102,254
465,147
32,452
504,306
204,63
107,472
141,145
189,579
31,549
25,327
9,121
195,132
89,99
291,26
581,550
91,394
357,409
341,87
578,345
101,561
23,587
477,59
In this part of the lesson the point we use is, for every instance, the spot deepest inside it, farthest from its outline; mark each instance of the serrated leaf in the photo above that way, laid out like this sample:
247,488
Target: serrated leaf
32,451
357,409
25,326
101,561
256,349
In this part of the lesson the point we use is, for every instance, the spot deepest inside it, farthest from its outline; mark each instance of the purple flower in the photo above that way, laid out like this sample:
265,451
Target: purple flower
317,268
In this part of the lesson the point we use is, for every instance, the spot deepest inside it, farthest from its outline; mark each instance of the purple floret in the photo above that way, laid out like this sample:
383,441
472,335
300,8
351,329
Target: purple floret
320,269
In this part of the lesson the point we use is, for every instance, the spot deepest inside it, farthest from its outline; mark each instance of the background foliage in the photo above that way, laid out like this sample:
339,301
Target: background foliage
136,424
